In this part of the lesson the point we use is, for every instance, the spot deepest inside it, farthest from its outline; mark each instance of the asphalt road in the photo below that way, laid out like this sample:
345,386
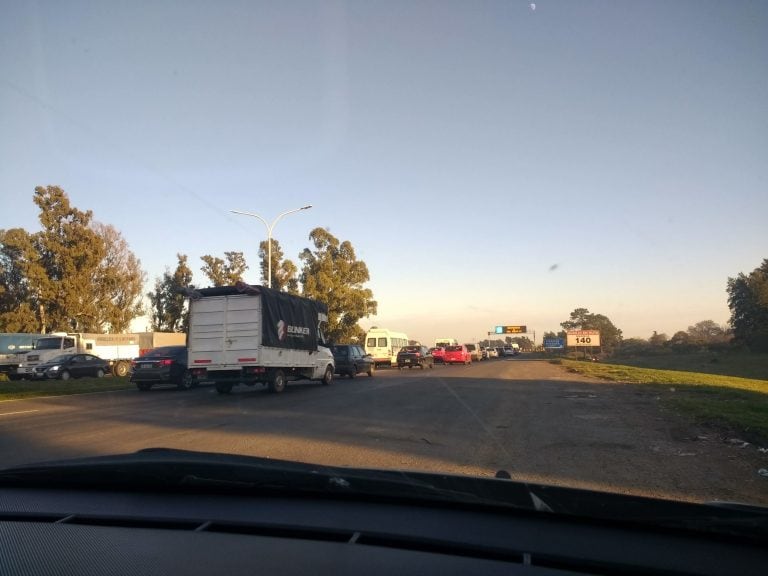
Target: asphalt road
530,418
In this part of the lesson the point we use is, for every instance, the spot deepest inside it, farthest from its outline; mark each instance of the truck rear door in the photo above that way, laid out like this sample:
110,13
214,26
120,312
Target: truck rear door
224,331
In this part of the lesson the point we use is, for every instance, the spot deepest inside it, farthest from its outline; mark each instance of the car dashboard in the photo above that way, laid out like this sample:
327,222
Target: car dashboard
64,531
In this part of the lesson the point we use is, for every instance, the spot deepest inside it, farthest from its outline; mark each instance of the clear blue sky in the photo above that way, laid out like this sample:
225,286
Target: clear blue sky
490,162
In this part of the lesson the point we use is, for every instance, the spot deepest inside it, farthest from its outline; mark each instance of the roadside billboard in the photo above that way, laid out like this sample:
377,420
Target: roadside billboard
576,338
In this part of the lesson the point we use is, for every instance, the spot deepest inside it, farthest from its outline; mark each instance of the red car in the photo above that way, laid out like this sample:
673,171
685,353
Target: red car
438,354
457,355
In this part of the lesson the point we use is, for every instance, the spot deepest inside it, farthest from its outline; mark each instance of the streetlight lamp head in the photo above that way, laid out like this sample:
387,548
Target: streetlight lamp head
269,234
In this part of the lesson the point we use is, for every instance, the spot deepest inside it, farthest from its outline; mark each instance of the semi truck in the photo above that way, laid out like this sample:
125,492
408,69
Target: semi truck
118,349
247,334
13,346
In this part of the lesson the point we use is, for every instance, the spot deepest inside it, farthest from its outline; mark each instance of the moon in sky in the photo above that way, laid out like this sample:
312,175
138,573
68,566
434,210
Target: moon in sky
533,6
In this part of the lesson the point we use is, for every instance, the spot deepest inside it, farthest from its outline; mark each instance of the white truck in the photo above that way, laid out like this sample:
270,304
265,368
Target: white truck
118,349
13,347
248,334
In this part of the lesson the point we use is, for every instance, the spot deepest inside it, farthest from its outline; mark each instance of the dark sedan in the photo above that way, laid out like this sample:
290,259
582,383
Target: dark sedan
69,366
351,359
163,365
411,356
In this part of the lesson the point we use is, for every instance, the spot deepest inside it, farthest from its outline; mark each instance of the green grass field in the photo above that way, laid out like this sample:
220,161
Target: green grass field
737,403
727,363
18,389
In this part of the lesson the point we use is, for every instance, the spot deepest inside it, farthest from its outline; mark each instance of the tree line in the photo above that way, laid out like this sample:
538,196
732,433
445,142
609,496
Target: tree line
330,273
79,275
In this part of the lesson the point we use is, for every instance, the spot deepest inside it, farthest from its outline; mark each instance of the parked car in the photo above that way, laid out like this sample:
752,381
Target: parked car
351,360
438,354
474,352
162,365
69,366
410,356
457,355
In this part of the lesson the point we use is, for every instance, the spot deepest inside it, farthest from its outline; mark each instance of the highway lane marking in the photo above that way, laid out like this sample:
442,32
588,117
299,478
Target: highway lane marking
476,417
19,412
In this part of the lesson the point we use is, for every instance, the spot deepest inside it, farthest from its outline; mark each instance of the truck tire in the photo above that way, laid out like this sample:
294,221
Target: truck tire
328,376
224,387
120,369
277,382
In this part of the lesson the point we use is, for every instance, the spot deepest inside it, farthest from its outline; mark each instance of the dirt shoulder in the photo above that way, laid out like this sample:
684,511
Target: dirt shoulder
587,432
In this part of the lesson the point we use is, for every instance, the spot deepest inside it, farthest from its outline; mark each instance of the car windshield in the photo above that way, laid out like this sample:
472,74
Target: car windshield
250,180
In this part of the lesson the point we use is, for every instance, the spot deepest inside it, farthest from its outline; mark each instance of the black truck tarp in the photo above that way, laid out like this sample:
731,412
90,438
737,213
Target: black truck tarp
287,321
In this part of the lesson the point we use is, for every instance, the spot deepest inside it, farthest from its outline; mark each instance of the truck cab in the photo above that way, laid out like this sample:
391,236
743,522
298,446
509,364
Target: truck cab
44,349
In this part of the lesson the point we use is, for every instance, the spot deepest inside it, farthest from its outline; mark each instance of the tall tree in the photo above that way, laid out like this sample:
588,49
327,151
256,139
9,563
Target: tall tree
748,301
583,319
284,271
70,252
118,282
552,335
332,274
225,272
71,275
707,332
169,306
21,274
658,339
680,338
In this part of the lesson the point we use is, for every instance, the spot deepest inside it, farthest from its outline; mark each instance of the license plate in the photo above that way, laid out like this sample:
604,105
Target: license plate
407,360
142,366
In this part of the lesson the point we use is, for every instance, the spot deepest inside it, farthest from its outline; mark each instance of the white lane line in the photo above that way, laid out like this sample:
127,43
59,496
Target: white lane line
19,412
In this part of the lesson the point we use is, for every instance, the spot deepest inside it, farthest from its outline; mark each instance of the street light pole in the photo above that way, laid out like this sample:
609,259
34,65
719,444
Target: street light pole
271,227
